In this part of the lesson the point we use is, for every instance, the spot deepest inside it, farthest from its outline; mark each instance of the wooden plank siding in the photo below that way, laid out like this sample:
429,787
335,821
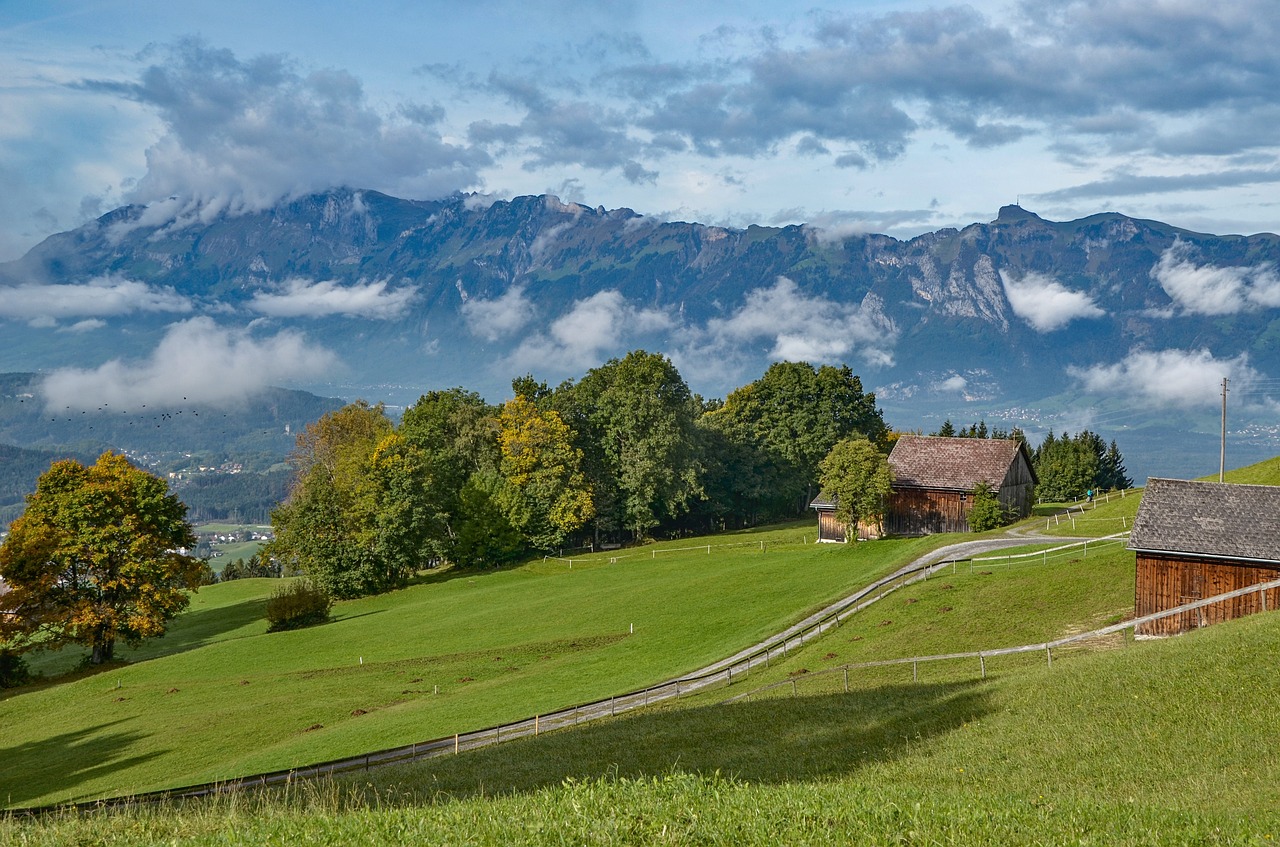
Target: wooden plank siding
1165,581
922,511
829,529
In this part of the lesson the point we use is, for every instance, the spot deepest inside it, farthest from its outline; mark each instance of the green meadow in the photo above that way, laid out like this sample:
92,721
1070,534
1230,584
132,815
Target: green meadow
1116,742
220,697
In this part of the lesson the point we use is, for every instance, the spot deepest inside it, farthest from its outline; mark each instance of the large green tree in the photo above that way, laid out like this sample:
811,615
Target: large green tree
857,476
96,558
788,420
328,527
636,423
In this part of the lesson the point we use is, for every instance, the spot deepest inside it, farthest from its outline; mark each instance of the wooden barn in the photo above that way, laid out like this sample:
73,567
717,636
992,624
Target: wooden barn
934,478
933,482
1198,539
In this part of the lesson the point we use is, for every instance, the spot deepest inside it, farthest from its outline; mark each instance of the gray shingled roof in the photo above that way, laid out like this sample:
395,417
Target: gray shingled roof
927,461
1208,519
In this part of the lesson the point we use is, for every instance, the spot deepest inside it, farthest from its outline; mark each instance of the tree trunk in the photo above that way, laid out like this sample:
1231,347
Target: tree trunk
103,651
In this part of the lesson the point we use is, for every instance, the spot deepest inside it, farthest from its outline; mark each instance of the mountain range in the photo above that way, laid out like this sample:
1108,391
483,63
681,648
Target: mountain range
1106,319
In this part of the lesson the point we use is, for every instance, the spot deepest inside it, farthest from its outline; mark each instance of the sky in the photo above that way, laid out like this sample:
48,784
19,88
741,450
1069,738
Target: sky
891,116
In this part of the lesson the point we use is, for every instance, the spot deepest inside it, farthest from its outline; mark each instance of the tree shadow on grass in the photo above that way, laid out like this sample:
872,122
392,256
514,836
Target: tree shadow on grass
197,628
61,762
766,741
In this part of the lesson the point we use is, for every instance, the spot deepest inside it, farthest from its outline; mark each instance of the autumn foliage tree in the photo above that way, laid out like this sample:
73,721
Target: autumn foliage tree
96,558
546,496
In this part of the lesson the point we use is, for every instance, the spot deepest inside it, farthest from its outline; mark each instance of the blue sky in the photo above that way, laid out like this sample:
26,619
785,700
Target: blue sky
898,117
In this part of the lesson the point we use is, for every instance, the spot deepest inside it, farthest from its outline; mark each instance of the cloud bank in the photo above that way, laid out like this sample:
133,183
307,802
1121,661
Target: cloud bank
305,299
1045,303
500,317
1167,377
588,332
241,135
1209,290
44,305
196,362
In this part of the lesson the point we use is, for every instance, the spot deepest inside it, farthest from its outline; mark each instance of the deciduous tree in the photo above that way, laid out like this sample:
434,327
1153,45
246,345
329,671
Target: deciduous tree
858,477
97,557
546,495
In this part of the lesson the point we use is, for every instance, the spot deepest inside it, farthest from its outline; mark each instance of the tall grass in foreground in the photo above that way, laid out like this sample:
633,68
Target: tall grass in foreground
677,808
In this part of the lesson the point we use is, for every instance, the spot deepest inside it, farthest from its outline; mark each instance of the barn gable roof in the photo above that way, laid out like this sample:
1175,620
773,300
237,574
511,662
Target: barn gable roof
957,464
1222,520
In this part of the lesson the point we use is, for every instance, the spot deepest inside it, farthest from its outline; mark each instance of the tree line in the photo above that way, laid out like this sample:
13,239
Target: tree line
625,452
1067,466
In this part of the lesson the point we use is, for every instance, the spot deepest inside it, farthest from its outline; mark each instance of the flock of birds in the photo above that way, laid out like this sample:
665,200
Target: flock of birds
141,419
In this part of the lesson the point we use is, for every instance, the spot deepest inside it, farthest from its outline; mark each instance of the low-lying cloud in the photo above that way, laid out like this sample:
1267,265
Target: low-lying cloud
588,332
783,323
1167,377
301,298
196,362
500,317
1210,290
99,298
1045,303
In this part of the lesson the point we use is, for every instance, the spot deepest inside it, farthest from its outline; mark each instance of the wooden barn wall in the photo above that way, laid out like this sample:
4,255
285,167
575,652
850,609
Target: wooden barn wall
829,529
1017,488
1164,582
922,511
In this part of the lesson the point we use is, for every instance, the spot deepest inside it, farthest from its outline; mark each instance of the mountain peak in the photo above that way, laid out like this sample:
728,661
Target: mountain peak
1014,213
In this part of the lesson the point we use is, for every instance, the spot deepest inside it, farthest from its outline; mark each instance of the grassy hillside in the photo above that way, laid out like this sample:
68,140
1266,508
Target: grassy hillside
1152,742
219,697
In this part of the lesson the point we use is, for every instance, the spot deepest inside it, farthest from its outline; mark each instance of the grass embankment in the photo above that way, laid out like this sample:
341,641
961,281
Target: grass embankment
1148,743
218,697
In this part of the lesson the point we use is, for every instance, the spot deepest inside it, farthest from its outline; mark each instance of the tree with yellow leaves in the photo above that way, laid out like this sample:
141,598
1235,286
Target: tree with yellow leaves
546,496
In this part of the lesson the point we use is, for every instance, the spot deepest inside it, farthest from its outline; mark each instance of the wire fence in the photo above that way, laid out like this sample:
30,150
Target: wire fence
727,672
653,553
1045,647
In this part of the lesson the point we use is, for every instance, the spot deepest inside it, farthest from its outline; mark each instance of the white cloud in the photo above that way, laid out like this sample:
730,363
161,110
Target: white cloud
500,317
303,298
592,329
239,135
803,328
44,305
955,383
1167,377
784,324
1045,303
86,325
197,362
1209,290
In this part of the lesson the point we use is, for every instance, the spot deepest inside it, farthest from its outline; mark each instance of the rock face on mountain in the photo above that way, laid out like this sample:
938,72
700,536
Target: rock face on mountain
471,291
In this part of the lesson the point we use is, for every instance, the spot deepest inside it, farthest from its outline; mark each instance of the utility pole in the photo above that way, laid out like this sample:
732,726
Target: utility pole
1222,456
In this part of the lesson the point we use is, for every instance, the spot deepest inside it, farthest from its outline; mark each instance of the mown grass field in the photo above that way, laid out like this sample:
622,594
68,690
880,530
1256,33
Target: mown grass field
1117,743
1121,743
219,697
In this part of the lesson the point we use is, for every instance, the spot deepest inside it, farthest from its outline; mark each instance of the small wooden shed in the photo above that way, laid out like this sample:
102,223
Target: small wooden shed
933,482
1197,539
934,478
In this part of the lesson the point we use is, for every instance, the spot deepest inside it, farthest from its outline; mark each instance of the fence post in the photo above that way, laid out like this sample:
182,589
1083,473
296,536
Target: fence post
846,680
535,726
1048,652
793,688
1086,549
915,677
455,744
982,663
